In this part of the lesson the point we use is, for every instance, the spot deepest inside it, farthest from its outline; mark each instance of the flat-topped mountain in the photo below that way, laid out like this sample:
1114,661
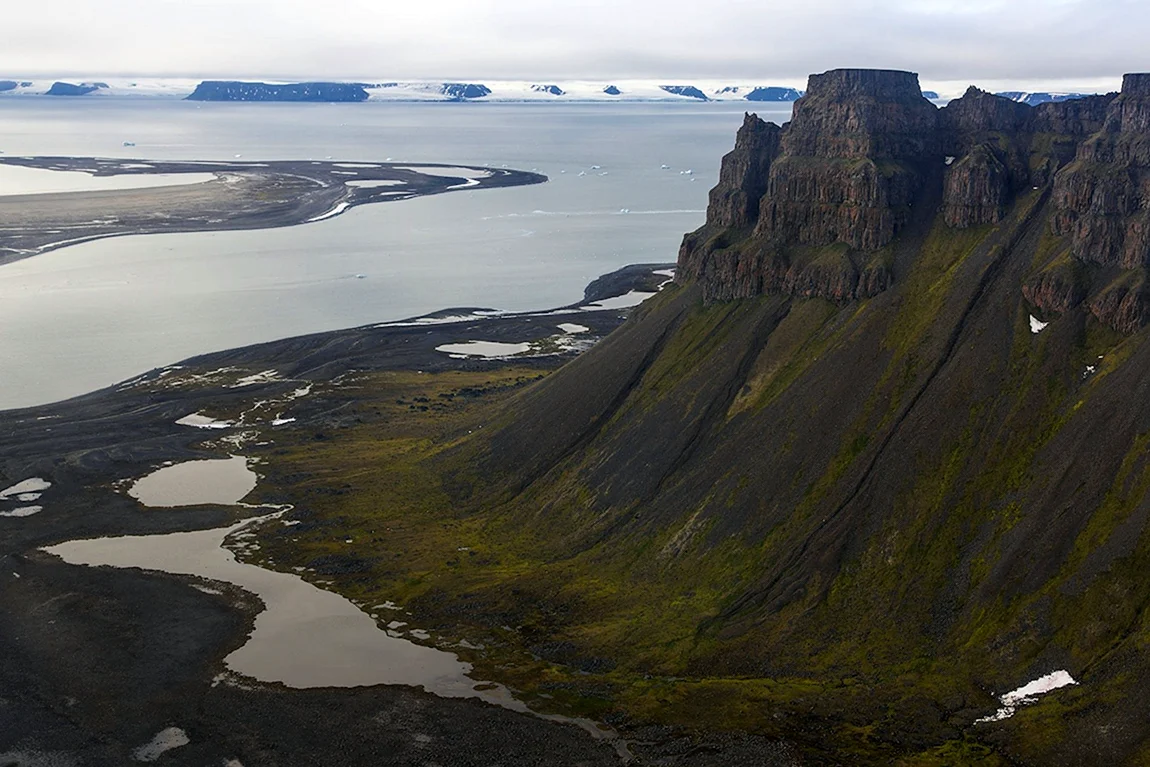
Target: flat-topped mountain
817,211
876,460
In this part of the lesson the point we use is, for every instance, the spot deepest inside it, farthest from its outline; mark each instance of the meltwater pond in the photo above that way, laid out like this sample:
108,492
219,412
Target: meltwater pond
92,314
305,636
224,481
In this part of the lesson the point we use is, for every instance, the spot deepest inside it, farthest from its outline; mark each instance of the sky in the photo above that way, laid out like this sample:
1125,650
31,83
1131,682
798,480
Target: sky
995,43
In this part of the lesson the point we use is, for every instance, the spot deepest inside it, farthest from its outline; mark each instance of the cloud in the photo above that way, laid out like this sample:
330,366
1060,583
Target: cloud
944,40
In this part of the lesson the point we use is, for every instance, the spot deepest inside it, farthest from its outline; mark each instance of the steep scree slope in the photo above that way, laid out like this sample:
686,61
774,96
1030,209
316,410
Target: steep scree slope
868,473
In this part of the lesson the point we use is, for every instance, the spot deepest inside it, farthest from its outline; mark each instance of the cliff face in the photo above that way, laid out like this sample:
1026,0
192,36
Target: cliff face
743,174
1102,197
814,208
843,174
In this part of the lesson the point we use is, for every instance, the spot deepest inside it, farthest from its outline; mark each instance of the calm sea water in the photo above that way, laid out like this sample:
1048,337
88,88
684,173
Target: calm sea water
93,314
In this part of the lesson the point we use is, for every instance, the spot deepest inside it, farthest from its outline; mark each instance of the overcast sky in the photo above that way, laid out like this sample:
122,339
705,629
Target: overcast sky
991,42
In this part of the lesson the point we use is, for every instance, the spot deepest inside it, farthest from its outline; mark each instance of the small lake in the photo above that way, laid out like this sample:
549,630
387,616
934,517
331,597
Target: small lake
223,481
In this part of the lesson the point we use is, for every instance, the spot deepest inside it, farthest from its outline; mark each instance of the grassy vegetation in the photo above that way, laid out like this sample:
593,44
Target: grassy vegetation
885,658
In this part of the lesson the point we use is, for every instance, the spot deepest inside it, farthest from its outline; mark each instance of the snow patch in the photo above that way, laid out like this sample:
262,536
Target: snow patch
1028,693
165,740
487,349
1036,325
625,301
571,327
201,421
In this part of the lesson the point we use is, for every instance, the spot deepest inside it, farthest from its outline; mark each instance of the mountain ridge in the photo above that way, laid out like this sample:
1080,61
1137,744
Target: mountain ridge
869,505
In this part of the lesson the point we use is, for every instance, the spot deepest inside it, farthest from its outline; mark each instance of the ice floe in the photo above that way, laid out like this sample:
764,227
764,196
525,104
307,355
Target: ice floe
23,511
30,485
571,327
371,184
340,208
1028,693
165,740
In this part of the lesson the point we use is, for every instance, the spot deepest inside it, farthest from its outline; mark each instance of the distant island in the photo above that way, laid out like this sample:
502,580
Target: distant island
337,92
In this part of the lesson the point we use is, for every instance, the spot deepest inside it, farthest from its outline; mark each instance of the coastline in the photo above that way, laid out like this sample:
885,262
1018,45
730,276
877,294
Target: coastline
130,670
244,195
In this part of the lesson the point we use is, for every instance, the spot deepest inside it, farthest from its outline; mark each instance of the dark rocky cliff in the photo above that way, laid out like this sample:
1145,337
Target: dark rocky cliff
815,207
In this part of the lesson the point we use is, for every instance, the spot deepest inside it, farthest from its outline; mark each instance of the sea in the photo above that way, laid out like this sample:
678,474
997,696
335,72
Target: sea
626,181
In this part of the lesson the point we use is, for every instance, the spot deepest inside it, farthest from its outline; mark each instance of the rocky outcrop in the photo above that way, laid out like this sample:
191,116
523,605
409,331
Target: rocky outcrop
1034,99
465,91
1102,199
744,173
689,91
72,89
847,171
1124,305
977,189
230,90
773,93
611,90
845,174
554,90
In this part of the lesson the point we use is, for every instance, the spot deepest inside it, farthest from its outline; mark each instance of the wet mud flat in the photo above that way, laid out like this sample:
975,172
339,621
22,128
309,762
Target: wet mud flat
103,666
242,195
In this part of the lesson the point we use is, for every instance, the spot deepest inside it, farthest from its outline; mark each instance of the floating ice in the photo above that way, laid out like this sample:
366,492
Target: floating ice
571,327
164,741
333,212
23,511
30,485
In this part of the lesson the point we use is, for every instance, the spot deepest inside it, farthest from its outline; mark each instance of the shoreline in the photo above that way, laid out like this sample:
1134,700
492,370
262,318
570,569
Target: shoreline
243,196
86,445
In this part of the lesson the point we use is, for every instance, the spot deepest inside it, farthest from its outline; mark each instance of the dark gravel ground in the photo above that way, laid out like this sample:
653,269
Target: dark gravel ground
95,661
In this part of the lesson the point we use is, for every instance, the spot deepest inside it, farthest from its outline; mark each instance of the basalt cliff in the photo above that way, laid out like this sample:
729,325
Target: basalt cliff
886,436
815,208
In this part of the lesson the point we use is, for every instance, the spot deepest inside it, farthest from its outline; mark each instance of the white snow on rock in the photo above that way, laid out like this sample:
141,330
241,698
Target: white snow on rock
1036,325
201,421
30,485
264,376
1028,693
165,740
